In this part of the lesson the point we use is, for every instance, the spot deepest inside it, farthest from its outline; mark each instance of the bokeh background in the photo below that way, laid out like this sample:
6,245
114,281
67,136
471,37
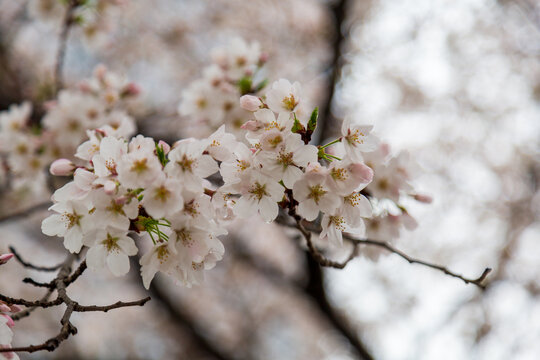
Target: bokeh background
456,83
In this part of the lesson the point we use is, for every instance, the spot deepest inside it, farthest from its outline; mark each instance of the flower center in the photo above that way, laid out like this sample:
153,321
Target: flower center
71,219
339,174
338,222
353,199
290,102
316,193
355,137
110,243
139,166
161,193
258,191
186,163
285,159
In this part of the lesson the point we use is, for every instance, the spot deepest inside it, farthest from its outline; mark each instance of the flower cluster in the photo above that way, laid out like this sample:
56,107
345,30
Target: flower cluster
30,145
6,322
212,100
143,187
93,16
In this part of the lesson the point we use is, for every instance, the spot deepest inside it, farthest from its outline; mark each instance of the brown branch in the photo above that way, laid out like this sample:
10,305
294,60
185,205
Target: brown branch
181,318
382,244
27,312
62,44
70,279
64,278
320,258
326,126
116,305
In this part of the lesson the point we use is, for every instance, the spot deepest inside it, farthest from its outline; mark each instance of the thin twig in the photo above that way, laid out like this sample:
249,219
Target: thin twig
478,281
382,244
27,312
320,258
32,266
64,278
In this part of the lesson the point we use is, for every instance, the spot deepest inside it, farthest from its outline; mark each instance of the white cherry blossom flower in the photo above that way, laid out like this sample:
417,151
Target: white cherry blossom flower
70,223
231,170
357,139
346,177
160,258
285,163
163,197
189,165
111,150
110,248
260,194
314,195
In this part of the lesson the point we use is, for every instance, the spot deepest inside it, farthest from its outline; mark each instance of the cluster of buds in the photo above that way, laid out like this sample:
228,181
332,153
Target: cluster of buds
212,100
6,322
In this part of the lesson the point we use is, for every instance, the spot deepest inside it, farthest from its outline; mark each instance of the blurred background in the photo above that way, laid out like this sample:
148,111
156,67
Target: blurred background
456,83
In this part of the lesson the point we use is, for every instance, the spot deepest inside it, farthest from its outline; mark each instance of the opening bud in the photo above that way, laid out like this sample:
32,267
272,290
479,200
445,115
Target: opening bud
62,167
4,258
250,103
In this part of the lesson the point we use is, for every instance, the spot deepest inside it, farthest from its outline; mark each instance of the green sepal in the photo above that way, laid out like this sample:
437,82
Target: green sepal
312,123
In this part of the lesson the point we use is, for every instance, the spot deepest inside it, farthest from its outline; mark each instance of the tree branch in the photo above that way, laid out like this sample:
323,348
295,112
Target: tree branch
62,43
63,279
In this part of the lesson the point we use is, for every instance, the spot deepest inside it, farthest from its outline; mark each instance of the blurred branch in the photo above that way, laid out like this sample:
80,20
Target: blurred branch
328,121
26,212
62,43
181,318
60,284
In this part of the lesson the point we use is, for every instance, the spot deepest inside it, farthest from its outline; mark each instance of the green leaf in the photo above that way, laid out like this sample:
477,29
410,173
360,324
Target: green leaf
297,126
312,123
261,85
245,84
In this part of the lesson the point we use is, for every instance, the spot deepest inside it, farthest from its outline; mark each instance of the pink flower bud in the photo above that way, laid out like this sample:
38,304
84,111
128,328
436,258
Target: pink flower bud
362,172
250,103
15,308
166,147
252,125
4,258
426,199
263,58
109,187
131,89
121,200
85,87
62,167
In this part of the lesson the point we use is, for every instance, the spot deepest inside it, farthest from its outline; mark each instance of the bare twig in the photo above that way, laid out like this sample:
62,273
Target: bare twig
382,244
30,265
320,258
64,278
